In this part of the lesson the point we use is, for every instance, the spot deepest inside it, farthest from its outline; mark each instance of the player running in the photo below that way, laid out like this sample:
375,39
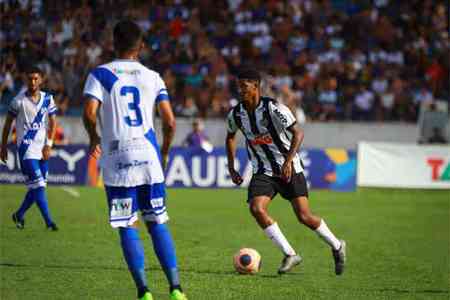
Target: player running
124,92
273,141
35,114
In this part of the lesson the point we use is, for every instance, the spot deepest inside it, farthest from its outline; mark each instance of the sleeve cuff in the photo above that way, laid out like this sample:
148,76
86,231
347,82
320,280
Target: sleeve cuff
12,113
90,96
293,124
162,97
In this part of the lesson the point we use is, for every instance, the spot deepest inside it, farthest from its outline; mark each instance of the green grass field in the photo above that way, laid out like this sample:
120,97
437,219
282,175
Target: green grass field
398,247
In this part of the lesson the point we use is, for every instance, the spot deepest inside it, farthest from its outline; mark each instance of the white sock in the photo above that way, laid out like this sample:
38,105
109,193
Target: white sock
325,234
274,233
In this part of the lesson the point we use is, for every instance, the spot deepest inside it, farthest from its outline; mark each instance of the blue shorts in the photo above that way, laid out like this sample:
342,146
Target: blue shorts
125,202
35,172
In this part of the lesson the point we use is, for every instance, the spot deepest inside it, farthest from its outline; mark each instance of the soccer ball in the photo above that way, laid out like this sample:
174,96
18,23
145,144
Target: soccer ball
247,261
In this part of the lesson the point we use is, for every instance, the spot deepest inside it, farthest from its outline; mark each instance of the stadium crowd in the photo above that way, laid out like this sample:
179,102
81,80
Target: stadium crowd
326,59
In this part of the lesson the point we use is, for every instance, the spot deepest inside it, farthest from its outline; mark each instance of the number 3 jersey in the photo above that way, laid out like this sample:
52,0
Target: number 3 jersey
128,92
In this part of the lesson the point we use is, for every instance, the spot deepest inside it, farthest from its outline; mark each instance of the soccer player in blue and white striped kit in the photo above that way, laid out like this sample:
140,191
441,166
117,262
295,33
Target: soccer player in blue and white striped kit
124,93
35,114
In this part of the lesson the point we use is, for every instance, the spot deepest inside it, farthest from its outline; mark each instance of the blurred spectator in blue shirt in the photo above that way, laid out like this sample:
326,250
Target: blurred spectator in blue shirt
197,139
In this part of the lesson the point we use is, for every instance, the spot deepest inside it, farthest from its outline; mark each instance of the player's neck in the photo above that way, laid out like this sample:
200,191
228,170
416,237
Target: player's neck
253,103
132,55
34,96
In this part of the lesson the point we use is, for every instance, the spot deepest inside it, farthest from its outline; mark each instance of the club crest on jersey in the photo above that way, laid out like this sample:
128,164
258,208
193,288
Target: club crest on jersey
262,139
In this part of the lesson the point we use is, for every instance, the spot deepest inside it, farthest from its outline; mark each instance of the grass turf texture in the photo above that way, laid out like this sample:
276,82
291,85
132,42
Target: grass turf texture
398,247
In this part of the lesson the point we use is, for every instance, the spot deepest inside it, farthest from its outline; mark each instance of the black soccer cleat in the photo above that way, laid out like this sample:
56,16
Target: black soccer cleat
289,262
339,258
52,227
20,223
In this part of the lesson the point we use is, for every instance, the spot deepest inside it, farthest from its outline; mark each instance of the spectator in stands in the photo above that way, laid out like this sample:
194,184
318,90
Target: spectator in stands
197,139
200,47
60,137
437,137
363,104
187,109
328,100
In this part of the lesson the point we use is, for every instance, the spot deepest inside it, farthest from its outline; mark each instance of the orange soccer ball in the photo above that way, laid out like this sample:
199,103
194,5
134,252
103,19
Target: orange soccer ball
247,261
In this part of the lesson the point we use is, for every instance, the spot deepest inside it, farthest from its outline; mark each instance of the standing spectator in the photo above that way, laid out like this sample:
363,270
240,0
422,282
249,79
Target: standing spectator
363,104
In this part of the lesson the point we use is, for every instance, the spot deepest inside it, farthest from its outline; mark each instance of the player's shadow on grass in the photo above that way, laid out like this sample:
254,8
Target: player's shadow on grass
151,268
110,268
403,291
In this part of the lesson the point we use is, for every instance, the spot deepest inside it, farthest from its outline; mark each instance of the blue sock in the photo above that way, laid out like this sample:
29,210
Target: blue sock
165,250
26,204
134,256
41,201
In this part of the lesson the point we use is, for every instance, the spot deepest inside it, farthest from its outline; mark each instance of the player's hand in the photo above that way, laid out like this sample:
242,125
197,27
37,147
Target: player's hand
94,147
286,171
46,151
3,154
235,177
165,159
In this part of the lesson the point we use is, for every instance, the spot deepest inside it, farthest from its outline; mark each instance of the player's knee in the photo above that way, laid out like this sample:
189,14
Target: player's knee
305,217
257,210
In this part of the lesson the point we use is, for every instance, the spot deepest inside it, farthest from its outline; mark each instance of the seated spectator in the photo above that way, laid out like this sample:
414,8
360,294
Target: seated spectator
197,140
187,109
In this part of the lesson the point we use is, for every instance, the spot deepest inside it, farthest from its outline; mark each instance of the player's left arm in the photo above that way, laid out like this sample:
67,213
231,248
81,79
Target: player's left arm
168,128
51,131
91,107
284,118
297,139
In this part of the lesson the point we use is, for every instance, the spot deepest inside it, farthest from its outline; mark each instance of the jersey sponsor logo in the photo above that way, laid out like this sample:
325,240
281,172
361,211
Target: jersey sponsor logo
262,139
33,126
121,207
129,72
281,116
27,141
134,163
157,202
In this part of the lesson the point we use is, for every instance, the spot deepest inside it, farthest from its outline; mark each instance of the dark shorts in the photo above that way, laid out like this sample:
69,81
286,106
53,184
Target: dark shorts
264,185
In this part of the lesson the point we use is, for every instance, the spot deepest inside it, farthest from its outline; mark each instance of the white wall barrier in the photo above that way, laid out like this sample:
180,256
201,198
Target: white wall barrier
403,165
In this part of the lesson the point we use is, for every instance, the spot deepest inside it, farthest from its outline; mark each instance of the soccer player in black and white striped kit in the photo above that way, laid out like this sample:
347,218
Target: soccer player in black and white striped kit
273,140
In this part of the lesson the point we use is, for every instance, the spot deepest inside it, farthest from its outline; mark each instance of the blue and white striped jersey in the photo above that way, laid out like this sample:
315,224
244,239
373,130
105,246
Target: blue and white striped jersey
128,92
31,123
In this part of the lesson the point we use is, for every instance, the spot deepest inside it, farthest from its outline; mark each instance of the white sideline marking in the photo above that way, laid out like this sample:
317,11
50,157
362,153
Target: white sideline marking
71,191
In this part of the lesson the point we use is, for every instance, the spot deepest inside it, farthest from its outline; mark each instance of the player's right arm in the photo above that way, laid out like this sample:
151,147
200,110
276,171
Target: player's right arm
168,129
94,94
91,107
230,146
5,134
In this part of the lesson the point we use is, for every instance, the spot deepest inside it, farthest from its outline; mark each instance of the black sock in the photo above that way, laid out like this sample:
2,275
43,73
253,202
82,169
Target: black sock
142,291
176,287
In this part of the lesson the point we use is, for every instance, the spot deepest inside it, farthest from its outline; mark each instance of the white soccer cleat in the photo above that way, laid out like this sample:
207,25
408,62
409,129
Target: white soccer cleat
289,262
339,258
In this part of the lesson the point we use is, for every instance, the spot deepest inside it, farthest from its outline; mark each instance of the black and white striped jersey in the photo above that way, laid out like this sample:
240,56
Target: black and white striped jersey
267,138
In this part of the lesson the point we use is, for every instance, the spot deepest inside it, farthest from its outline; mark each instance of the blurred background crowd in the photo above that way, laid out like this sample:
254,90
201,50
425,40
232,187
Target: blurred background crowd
327,59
